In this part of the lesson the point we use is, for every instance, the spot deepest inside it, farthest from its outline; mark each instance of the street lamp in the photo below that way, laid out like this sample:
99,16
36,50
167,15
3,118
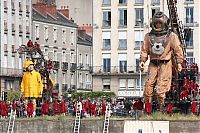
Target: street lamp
139,23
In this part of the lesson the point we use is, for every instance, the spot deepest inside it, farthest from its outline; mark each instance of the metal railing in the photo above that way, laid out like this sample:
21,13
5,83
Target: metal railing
117,70
11,72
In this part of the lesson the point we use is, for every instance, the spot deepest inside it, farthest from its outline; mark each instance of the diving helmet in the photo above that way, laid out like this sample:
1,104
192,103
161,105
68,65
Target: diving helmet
160,24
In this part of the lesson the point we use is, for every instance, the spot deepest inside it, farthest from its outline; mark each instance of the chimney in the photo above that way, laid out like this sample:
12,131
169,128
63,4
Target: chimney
65,11
51,9
41,7
87,28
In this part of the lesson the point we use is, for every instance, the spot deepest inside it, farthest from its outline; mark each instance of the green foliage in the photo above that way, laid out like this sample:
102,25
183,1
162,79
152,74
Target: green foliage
94,95
13,95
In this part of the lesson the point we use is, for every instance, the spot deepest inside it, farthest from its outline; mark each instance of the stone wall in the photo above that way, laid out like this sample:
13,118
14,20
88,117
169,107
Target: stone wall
88,126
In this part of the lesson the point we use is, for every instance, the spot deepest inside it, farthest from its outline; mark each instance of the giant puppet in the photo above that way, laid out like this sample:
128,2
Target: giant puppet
159,45
31,85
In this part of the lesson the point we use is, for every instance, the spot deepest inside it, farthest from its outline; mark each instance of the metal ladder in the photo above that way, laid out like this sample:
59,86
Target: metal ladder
11,123
77,119
106,121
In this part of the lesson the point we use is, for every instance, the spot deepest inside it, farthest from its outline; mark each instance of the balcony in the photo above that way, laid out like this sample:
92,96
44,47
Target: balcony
155,2
116,70
122,23
56,65
64,88
189,22
106,24
106,3
139,2
73,67
72,87
64,66
11,72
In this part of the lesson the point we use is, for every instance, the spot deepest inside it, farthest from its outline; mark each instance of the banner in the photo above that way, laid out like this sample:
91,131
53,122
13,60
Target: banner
146,127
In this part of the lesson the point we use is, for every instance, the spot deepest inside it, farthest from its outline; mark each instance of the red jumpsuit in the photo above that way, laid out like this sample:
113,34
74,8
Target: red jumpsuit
169,108
45,108
148,108
103,108
93,109
194,88
55,107
62,107
30,109
194,107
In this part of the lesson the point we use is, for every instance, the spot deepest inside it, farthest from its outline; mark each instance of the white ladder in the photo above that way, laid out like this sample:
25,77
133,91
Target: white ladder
11,123
106,121
77,119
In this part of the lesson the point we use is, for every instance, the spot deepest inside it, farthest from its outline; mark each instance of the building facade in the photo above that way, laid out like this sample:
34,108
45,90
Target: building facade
120,26
80,10
84,61
57,35
15,31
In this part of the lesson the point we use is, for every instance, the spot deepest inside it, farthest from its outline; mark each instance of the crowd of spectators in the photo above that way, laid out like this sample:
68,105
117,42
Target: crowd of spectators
88,107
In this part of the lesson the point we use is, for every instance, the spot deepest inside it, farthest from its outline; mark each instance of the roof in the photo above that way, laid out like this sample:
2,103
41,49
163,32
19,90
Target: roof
86,40
59,19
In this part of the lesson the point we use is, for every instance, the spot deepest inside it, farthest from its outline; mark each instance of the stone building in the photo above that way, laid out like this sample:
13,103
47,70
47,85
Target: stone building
15,31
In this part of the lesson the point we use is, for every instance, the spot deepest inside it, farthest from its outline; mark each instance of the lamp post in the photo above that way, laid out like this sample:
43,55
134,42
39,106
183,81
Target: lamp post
139,22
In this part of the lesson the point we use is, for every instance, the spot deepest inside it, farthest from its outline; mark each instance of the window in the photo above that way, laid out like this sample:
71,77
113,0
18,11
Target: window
55,35
20,41
72,57
12,63
63,56
64,36
139,1
46,36
55,55
20,6
37,32
106,40
137,62
106,84
122,83
188,37
190,58
106,2
5,62
122,40
87,59
189,15
139,15
106,63
80,78
155,2
64,78
80,59
130,83
72,36
5,39
138,84
189,1
122,1
122,17
106,18
20,63
122,63
139,37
